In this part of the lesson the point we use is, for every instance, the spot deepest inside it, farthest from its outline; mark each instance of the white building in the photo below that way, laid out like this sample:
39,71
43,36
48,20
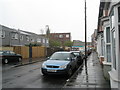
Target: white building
108,40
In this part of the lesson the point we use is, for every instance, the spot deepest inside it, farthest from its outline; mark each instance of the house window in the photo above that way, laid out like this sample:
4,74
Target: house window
32,40
47,41
114,49
39,40
56,36
60,36
43,40
107,44
108,34
67,35
102,47
112,19
108,52
27,38
21,37
14,35
2,34
118,14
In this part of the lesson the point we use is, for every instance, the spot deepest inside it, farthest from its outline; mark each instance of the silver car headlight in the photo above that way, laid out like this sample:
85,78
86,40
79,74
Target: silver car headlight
43,66
63,66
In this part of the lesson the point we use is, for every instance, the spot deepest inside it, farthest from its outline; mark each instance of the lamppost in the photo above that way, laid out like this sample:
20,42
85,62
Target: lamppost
85,37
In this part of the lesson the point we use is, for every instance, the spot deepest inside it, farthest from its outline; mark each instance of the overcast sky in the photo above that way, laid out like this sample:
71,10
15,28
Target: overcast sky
62,16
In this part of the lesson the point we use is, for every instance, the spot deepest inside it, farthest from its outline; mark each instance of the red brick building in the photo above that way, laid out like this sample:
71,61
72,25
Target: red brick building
62,37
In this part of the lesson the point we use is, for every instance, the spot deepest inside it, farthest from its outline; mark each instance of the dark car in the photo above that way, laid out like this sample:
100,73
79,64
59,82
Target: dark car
83,53
79,56
9,56
60,63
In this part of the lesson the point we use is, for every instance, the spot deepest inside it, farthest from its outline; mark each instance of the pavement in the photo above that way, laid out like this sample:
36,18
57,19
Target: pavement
90,76
29,61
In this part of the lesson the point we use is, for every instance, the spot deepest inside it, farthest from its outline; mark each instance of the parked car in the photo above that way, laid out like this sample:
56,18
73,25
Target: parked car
9,56
83,53
62,62
79,56
89,51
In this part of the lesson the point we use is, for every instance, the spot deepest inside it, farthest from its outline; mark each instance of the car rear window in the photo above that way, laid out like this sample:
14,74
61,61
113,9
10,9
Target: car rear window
76,53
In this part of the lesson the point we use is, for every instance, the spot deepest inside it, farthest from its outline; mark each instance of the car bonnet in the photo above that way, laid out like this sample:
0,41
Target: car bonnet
56,62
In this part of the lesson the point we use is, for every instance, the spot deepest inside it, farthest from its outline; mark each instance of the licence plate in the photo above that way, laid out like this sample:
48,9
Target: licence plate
51,70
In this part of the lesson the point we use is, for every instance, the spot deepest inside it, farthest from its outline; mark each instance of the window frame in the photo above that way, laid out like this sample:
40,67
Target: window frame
14,35
107,44
2,34
39,40
114,49
67,35
27,38
43,40
60,36
21,37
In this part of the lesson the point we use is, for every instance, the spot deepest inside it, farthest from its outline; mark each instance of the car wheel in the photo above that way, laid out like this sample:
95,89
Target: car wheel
6,61
19,59
44,74
69,73
76,67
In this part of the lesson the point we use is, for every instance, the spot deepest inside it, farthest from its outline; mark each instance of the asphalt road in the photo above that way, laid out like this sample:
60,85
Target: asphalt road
29,76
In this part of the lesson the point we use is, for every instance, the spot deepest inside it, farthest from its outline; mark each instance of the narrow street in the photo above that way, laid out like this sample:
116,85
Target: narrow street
30,76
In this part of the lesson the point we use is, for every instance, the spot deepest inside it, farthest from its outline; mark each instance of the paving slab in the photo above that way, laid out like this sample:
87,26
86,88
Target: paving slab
90,76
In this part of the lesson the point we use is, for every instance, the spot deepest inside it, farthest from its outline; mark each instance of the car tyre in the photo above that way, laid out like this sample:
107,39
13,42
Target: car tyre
6,61
76,67
69,73
44,74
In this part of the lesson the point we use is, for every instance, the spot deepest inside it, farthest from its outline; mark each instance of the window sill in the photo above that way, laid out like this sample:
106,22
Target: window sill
114,75
107,63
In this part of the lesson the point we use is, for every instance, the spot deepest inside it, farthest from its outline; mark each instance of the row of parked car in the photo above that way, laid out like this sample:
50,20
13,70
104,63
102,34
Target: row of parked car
62,62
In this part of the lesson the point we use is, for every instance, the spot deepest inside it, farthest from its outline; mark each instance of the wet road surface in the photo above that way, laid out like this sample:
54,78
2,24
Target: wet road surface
29,76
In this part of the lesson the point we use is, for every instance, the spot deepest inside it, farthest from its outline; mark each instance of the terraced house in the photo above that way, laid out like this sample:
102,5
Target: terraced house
108,40
13,37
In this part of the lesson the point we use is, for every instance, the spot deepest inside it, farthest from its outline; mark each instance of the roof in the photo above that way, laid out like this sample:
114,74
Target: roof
21,32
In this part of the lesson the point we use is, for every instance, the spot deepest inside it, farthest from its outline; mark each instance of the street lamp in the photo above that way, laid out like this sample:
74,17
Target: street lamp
85,37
